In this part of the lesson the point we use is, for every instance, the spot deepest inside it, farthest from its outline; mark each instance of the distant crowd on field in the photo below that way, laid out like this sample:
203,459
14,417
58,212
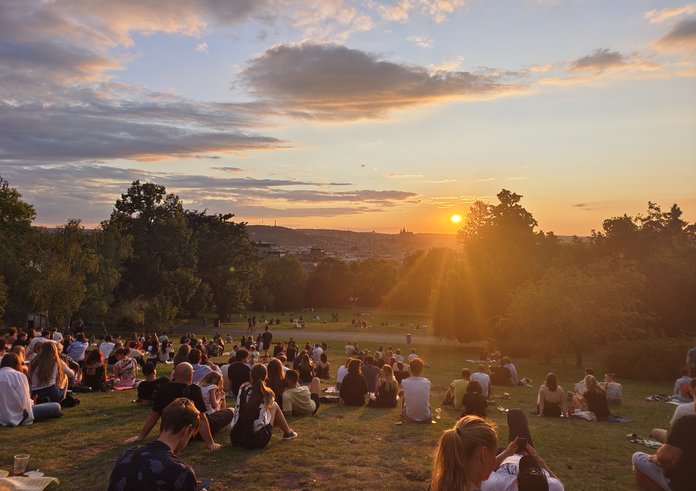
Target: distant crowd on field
40,371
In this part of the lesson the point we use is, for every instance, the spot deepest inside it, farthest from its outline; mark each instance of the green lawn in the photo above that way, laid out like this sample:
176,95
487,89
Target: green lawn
346,448
378,320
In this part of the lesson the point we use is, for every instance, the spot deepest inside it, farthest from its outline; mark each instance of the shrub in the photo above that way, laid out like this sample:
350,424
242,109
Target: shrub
647,359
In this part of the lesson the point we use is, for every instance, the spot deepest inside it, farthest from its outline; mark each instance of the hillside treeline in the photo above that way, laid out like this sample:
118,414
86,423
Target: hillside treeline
153,261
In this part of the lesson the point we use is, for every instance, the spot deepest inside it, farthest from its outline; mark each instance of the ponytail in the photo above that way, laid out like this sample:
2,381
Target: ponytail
455,449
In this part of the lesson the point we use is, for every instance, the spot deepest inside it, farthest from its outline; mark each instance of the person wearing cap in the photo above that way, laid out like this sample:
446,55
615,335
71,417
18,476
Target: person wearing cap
525,471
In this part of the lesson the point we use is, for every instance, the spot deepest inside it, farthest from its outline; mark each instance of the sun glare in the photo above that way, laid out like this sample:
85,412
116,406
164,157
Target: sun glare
456,218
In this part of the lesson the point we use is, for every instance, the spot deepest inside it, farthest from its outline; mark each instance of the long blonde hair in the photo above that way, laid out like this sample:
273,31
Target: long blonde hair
388,379
45,363
455,450
212,378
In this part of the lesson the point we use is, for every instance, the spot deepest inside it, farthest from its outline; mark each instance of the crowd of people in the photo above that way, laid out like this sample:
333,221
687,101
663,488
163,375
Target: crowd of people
271,382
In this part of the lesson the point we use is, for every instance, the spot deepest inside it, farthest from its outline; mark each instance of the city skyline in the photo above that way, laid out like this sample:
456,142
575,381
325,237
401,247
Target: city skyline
360,115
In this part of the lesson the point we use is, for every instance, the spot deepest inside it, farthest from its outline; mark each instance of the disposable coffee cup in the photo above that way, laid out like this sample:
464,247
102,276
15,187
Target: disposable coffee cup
20,463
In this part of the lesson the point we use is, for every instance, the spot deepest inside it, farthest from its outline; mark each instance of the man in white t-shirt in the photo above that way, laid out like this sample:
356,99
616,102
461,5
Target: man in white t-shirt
317,352
484,379
106,346
349,349
688,409
413,355
415,391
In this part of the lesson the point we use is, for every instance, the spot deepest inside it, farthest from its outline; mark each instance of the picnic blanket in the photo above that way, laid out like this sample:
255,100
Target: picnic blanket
124,387
663,398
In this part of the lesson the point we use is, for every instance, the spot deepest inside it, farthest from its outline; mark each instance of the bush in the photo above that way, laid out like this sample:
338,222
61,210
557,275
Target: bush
647,359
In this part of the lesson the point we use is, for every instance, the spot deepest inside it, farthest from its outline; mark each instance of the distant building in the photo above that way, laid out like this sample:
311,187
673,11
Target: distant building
269,251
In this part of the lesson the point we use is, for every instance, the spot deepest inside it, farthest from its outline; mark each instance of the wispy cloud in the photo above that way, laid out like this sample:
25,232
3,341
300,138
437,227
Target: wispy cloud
666,14
600,60
422,41
681,37
332,82
202,48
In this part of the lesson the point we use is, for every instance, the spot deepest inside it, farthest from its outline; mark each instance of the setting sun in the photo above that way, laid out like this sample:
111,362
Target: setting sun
456,218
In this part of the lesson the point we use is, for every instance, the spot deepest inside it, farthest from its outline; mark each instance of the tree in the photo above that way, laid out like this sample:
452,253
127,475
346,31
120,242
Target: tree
572,308
330,284
372,281
13,211
418,276
284,283
227,260
63,262
161,238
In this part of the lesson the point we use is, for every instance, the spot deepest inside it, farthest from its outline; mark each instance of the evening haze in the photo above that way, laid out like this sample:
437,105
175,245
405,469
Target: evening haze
362,115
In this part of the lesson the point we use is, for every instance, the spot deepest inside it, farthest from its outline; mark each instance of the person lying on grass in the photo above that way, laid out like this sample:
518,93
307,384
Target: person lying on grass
257,413
300,400
181,386
688,409
156,465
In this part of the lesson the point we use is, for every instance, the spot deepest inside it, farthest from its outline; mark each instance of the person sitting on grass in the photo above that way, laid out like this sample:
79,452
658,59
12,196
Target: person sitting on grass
501,374
613,389
239,371
482,377
387,389
300,400
94,371
371,373
257,413
214,394
322,367
400,371
688,409
182,354
596,398
577,403
473,401
16,405
125,369
305,369
19,351
156,465
681,386
181,386
672,466
455,391
341,373
276,379
148,387
354,386
551,398
415,391
48,374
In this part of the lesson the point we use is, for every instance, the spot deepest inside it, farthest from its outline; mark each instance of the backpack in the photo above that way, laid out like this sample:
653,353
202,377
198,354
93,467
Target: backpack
245,436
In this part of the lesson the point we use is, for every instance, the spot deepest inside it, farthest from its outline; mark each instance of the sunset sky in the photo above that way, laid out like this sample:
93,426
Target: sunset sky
361,115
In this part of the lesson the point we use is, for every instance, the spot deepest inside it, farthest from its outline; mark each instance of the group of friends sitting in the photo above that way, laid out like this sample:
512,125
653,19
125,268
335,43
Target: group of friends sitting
270,388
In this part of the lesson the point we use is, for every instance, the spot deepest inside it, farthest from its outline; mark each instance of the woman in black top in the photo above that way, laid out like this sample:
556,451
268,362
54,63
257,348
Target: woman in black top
354,385
596,398
387,388
305,369
94,371
474,402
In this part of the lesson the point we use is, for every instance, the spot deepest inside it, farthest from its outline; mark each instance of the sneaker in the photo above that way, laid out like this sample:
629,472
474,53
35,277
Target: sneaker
290,435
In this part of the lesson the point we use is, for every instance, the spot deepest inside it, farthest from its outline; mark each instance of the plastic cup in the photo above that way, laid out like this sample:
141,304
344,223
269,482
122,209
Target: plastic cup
20,463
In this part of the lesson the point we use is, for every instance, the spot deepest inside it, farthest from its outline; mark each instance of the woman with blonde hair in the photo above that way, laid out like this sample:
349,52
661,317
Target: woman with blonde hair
387,389
466,455
48,374
19,351
213,393
596,398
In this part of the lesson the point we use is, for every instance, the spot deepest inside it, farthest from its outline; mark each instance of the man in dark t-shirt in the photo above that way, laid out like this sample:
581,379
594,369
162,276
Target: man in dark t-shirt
180,386
267,338
371,372
156,466
148,387
239,372
673,465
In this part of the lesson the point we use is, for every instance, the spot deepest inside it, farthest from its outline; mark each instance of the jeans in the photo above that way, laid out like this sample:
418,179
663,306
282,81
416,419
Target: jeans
46,410
643,464
52,393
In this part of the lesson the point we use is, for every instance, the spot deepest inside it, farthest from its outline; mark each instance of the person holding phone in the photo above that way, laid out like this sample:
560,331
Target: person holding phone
156,465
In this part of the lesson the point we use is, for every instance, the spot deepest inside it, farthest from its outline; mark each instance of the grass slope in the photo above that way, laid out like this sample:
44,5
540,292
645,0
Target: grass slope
346,448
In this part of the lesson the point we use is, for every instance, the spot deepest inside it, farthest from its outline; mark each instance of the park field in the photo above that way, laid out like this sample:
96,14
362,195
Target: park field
348,448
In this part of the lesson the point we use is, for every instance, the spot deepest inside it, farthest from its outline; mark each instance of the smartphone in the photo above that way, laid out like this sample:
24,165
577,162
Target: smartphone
521,444
205,484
